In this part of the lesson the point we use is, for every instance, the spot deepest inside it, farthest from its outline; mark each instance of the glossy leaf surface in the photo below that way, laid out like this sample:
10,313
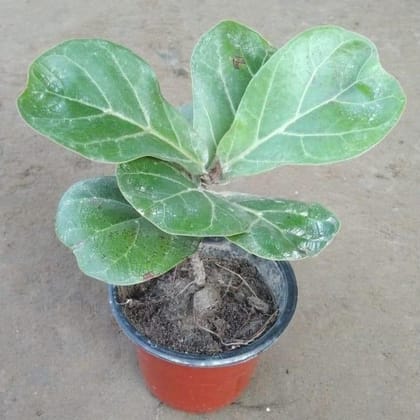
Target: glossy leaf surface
176,203
323,97
104,102
222,64
110,240
284,229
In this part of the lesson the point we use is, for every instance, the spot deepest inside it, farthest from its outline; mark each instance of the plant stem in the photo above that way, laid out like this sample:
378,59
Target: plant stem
198,270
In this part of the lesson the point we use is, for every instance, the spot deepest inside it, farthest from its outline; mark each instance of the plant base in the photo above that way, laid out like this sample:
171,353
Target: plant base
200,383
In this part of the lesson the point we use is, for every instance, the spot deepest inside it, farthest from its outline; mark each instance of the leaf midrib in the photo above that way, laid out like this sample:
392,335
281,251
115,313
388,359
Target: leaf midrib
97,232
260,217
148,129
297,116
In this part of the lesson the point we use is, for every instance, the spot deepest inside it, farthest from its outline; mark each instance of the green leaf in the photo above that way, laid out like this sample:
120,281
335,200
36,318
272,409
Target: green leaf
283,229
110,240
222,64
187,111
104,102
323,97
177,204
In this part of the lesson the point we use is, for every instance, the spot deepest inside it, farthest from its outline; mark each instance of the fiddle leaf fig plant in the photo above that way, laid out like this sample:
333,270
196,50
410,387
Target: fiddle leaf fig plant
323,97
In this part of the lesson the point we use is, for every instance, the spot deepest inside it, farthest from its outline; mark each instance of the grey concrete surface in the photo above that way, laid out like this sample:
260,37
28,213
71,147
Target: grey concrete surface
352,351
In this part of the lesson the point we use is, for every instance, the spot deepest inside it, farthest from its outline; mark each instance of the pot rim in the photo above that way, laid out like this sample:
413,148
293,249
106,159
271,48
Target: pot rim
226,358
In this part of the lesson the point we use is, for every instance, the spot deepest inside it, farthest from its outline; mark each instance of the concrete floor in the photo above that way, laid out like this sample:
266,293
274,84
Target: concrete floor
352,350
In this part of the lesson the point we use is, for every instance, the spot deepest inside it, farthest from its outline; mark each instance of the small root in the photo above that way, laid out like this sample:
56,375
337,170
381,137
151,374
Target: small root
239,276
135,302
228,286
185,288
201,327
236,343
131,303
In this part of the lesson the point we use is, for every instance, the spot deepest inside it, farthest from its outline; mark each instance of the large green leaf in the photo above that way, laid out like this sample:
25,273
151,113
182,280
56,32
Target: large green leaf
102,101
110,240
222,64
176,203
323,97
284,229
187,111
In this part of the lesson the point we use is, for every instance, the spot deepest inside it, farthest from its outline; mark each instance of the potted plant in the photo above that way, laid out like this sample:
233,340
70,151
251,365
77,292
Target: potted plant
321,98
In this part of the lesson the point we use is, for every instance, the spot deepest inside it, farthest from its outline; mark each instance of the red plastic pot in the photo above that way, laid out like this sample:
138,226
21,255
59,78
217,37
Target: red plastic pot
198,383
194,389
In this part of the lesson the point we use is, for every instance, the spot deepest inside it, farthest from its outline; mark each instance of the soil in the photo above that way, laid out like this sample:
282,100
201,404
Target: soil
232,309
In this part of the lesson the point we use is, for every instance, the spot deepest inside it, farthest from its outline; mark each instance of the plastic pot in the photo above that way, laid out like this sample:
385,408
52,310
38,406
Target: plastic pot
198,383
